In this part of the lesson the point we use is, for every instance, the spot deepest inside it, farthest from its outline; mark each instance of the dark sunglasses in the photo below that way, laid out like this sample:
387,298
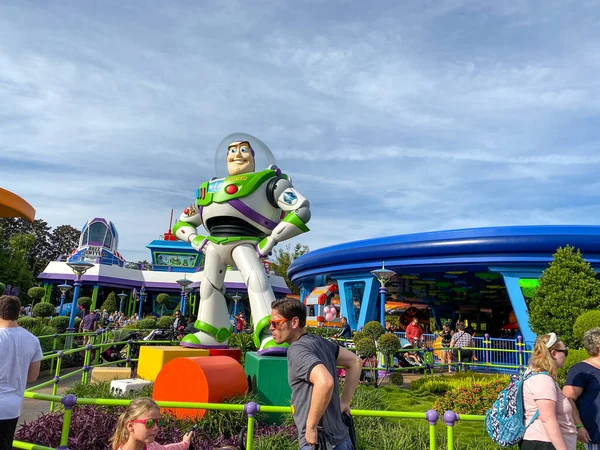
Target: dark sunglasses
150,422
565,351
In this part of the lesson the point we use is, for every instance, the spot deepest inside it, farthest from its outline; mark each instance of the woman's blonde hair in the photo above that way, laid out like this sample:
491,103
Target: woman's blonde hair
136,409
541,359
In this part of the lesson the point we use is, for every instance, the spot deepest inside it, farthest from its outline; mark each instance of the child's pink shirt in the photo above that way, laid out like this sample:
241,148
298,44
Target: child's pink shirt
156,446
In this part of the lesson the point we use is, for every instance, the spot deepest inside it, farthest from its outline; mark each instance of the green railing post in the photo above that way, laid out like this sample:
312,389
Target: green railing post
432,417
86,362
250,409
54,351
520,346
68,402
450,417
56,377
129,343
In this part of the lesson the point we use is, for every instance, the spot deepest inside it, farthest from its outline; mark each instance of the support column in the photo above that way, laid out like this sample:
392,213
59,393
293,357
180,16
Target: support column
368,310
511,276
94,297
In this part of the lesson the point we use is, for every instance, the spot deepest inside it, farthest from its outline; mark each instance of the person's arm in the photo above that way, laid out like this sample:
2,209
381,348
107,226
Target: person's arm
34,371
547,409
323,385
573,393
353,366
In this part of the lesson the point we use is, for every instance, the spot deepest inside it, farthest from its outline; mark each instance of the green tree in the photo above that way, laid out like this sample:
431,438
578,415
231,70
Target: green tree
14,268
110,304
36,293
568,288
64,239
281,260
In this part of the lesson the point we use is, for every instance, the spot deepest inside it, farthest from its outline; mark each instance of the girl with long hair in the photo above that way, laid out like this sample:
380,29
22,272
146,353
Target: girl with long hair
553,428
138,427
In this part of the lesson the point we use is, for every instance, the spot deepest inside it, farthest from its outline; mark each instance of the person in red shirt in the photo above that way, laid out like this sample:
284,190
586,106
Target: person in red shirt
414,332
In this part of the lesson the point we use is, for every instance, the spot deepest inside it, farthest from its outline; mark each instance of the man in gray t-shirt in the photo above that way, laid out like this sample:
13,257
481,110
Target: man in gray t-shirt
312,375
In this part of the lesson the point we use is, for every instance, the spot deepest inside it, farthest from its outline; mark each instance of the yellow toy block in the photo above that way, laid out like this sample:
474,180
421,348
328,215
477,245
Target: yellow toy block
110,373
153,358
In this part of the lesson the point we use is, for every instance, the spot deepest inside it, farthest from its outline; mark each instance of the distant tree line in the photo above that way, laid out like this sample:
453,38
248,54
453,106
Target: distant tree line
26,249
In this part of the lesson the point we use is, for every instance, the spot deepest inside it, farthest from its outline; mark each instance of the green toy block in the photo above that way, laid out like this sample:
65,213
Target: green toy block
268,377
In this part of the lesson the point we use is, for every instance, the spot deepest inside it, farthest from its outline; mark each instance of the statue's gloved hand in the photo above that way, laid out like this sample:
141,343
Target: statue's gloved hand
265,247
199,242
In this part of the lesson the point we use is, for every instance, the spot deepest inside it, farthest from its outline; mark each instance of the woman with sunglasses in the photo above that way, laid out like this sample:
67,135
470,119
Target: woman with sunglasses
583,389
553,428
138,427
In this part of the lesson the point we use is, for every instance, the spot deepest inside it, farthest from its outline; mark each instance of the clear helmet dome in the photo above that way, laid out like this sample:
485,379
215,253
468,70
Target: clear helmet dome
263,157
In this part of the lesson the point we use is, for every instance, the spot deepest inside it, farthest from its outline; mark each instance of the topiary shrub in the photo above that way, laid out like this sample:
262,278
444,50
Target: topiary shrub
110,304
585,322
396,379
147,324
373,330
60,323
163,300
43,309
388,344
84,302
36,293
28,322
165,322
357,336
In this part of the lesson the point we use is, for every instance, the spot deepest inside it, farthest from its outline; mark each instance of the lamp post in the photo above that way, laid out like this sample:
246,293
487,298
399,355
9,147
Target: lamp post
79,268
183,283
236,298
142,298
122,296
383,275
64,288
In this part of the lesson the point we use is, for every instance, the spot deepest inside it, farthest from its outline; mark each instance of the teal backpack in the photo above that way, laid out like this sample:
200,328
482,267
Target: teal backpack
505,420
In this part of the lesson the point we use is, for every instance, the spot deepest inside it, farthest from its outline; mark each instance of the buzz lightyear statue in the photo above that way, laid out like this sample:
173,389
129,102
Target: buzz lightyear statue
246,214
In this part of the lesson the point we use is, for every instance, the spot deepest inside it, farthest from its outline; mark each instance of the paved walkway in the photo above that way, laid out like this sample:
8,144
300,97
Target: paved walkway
32,409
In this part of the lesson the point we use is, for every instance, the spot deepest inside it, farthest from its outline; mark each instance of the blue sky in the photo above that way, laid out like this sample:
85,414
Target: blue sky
390,117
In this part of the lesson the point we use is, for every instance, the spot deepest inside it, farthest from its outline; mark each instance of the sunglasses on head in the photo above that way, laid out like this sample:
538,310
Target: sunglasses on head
150,422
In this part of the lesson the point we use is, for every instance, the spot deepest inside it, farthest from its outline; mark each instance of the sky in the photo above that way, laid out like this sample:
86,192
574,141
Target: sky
390,117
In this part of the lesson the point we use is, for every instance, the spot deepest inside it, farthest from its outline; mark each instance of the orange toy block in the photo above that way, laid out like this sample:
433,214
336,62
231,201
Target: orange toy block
202,380
153,358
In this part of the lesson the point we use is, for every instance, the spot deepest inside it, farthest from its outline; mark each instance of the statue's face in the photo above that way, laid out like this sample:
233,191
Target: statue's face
239,158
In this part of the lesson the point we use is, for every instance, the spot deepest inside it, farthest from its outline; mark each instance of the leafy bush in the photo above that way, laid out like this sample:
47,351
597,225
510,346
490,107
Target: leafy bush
388,344
84,302
442,384
244,342
325,332
163,300
60,323
373,330
101,389
148,323
43,309
574,357
396,379
2,288
475,399
584,322
165,322
28,322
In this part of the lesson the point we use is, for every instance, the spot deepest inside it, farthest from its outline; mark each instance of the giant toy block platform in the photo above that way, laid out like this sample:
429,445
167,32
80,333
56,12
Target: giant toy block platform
268,377
153,358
